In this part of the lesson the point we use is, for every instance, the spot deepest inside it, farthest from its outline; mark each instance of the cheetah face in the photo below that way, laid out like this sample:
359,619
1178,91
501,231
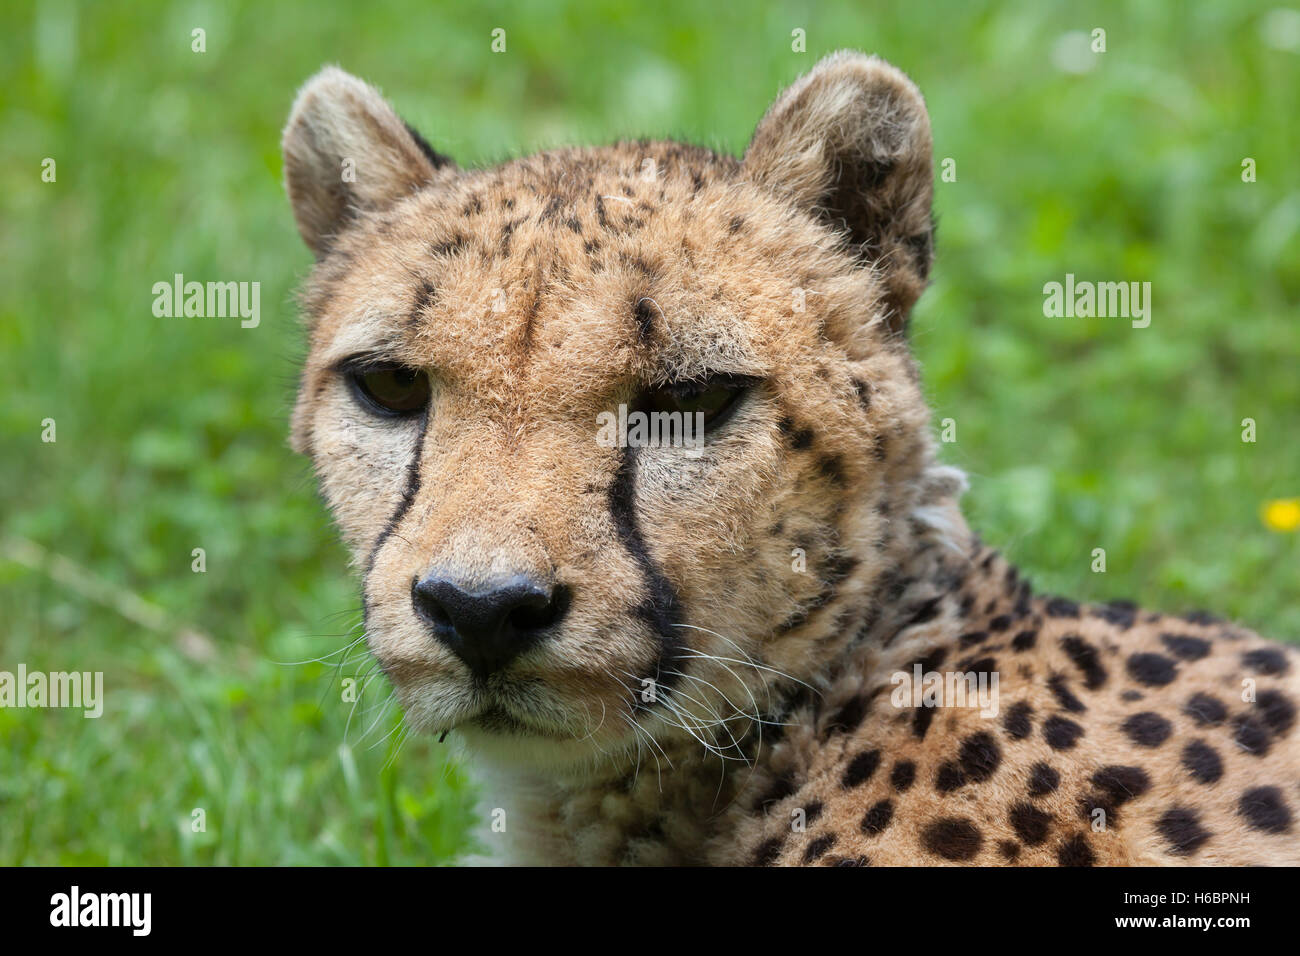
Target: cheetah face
555,590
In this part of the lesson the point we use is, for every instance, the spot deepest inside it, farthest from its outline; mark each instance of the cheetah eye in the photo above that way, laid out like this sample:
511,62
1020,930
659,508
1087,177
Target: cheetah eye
717,397
390,389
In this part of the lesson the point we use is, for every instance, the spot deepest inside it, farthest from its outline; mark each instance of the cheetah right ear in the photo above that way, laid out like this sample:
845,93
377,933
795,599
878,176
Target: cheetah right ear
346,151
850,142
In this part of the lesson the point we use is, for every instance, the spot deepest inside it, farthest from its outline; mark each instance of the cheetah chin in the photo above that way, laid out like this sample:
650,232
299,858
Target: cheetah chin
660,654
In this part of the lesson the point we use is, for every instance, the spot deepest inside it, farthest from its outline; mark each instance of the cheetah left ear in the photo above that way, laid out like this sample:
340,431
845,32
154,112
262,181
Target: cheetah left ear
850,142
346,151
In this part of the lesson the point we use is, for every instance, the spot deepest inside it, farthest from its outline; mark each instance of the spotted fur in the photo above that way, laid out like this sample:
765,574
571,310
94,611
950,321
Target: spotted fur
772,587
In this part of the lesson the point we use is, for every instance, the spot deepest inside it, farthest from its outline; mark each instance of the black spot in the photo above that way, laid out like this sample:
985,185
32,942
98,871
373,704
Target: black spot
979,757
1084,656
768,851
1250,735
1024,600
812,811
1185,646
800,438
1064,696
1010,579
1265,660
1120,784
1202,762
1061,607
948,777
877,818
782,787
1277,711
1000,623
1130,695
860,769
552,208
1075,852
645,319
447,247
1024,640
852,861
818,847
1147,729
832,469
1205,710
1061,733
1264,809
976,665
921,721
1030,823
1183,831
849,717
924,611
1200,617
1043,779
1154,670
971,638
1017,721
424,294
903,774
1009,850
737,223
953,838
863,391
1113,786
1122,614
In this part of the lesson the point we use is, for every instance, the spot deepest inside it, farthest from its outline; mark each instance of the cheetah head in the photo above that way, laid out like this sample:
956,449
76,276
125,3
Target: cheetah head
554,589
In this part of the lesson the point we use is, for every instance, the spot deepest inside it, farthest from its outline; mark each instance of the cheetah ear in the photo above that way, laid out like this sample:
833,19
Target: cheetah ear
346,151
850,141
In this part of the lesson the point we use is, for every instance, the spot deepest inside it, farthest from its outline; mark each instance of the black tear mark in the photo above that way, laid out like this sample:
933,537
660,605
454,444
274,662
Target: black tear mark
411,489
661,609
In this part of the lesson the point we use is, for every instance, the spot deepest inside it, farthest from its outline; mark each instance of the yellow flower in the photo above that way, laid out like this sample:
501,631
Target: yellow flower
1282,514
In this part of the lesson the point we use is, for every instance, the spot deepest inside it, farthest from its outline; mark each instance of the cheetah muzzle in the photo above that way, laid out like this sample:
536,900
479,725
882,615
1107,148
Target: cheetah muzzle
665,652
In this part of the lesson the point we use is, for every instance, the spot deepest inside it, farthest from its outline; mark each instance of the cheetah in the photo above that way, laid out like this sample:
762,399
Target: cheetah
664,655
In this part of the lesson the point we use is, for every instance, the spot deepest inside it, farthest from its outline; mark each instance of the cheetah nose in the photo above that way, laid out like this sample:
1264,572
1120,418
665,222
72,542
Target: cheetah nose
489,626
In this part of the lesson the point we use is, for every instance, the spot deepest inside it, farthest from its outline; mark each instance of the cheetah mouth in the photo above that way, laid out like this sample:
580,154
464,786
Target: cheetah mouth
505,713
499,721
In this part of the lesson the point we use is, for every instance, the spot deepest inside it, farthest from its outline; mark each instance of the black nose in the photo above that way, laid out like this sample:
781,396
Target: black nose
487,627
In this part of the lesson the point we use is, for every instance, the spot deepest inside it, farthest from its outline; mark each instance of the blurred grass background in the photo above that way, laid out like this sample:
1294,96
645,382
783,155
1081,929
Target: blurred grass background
1077,433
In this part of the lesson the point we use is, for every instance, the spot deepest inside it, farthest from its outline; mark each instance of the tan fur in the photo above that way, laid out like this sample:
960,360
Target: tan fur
544,291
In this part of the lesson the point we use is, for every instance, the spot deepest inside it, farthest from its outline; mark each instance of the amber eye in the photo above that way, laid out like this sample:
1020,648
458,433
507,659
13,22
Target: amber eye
391,389
716,397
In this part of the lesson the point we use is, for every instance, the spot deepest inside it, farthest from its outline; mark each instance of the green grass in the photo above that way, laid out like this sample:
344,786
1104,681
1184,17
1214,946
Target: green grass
1077,433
